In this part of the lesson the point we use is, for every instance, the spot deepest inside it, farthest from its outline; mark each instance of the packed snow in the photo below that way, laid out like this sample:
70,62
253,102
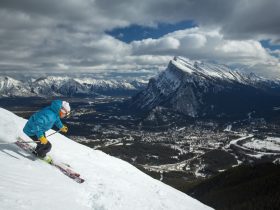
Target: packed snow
29,183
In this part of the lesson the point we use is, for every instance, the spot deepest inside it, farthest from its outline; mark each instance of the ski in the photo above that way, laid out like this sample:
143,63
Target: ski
63,167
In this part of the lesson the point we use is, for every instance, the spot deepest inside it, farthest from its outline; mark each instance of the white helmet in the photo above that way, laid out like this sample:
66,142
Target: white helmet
65,107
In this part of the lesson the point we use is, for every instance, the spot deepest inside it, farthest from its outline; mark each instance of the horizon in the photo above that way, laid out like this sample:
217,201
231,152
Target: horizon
144,75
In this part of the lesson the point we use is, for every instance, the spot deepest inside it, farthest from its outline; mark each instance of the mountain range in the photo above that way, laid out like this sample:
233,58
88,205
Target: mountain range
67,86
200,89
192,88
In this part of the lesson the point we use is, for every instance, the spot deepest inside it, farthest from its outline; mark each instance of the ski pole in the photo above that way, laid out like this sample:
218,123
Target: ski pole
28,142
31,141
53,133
24,142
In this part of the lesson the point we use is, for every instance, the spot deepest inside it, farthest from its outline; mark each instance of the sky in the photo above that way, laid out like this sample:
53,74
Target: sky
132,36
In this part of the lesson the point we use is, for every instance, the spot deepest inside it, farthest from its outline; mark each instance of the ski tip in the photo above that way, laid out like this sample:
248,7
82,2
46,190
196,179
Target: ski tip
80,180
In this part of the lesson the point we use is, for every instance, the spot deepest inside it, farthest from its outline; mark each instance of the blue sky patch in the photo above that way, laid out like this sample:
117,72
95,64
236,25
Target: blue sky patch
267,44
137,32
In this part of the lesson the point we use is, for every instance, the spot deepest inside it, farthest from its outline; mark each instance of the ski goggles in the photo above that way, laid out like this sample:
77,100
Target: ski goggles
63,112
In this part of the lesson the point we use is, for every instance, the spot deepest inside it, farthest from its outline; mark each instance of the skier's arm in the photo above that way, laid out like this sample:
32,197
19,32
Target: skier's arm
58,123
39,128
60,126
64,129
43,140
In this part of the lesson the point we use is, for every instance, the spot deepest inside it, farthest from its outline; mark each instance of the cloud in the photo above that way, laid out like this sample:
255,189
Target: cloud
239,50
258,19
155,46
275,53
69,35
240,19
210,44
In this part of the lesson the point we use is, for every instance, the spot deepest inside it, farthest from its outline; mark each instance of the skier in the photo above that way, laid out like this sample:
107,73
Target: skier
44,120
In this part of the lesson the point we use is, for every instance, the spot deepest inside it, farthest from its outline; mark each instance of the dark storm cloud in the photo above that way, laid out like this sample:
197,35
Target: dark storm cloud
238,19
250,19
51,8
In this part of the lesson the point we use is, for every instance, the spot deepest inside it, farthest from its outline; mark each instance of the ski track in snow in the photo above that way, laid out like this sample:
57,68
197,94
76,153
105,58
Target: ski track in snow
110,183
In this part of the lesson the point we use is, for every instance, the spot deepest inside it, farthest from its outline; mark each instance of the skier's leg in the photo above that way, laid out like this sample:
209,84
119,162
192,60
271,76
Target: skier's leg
43,149
47,148
34,138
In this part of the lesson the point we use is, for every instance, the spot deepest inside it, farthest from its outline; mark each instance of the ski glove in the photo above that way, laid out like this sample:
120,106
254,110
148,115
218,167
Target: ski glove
64,129
43,140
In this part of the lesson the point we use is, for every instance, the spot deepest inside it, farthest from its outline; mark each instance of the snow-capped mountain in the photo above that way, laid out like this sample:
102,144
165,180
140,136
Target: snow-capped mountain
201,89
53,86
110,183
12,87
67,86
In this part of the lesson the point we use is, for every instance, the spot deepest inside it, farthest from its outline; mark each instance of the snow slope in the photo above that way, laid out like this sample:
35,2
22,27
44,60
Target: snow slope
28,183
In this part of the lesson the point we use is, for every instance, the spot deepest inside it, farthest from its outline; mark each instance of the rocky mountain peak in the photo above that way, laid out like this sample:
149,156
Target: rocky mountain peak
198,89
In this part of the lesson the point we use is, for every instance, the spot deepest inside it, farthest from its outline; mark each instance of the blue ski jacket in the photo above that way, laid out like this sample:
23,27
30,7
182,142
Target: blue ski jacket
44,120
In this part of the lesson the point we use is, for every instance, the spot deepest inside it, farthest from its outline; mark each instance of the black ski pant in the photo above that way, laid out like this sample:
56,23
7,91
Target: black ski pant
41,149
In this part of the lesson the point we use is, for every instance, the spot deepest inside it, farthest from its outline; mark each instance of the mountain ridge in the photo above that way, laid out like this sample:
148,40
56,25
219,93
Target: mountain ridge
66,86
199,89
